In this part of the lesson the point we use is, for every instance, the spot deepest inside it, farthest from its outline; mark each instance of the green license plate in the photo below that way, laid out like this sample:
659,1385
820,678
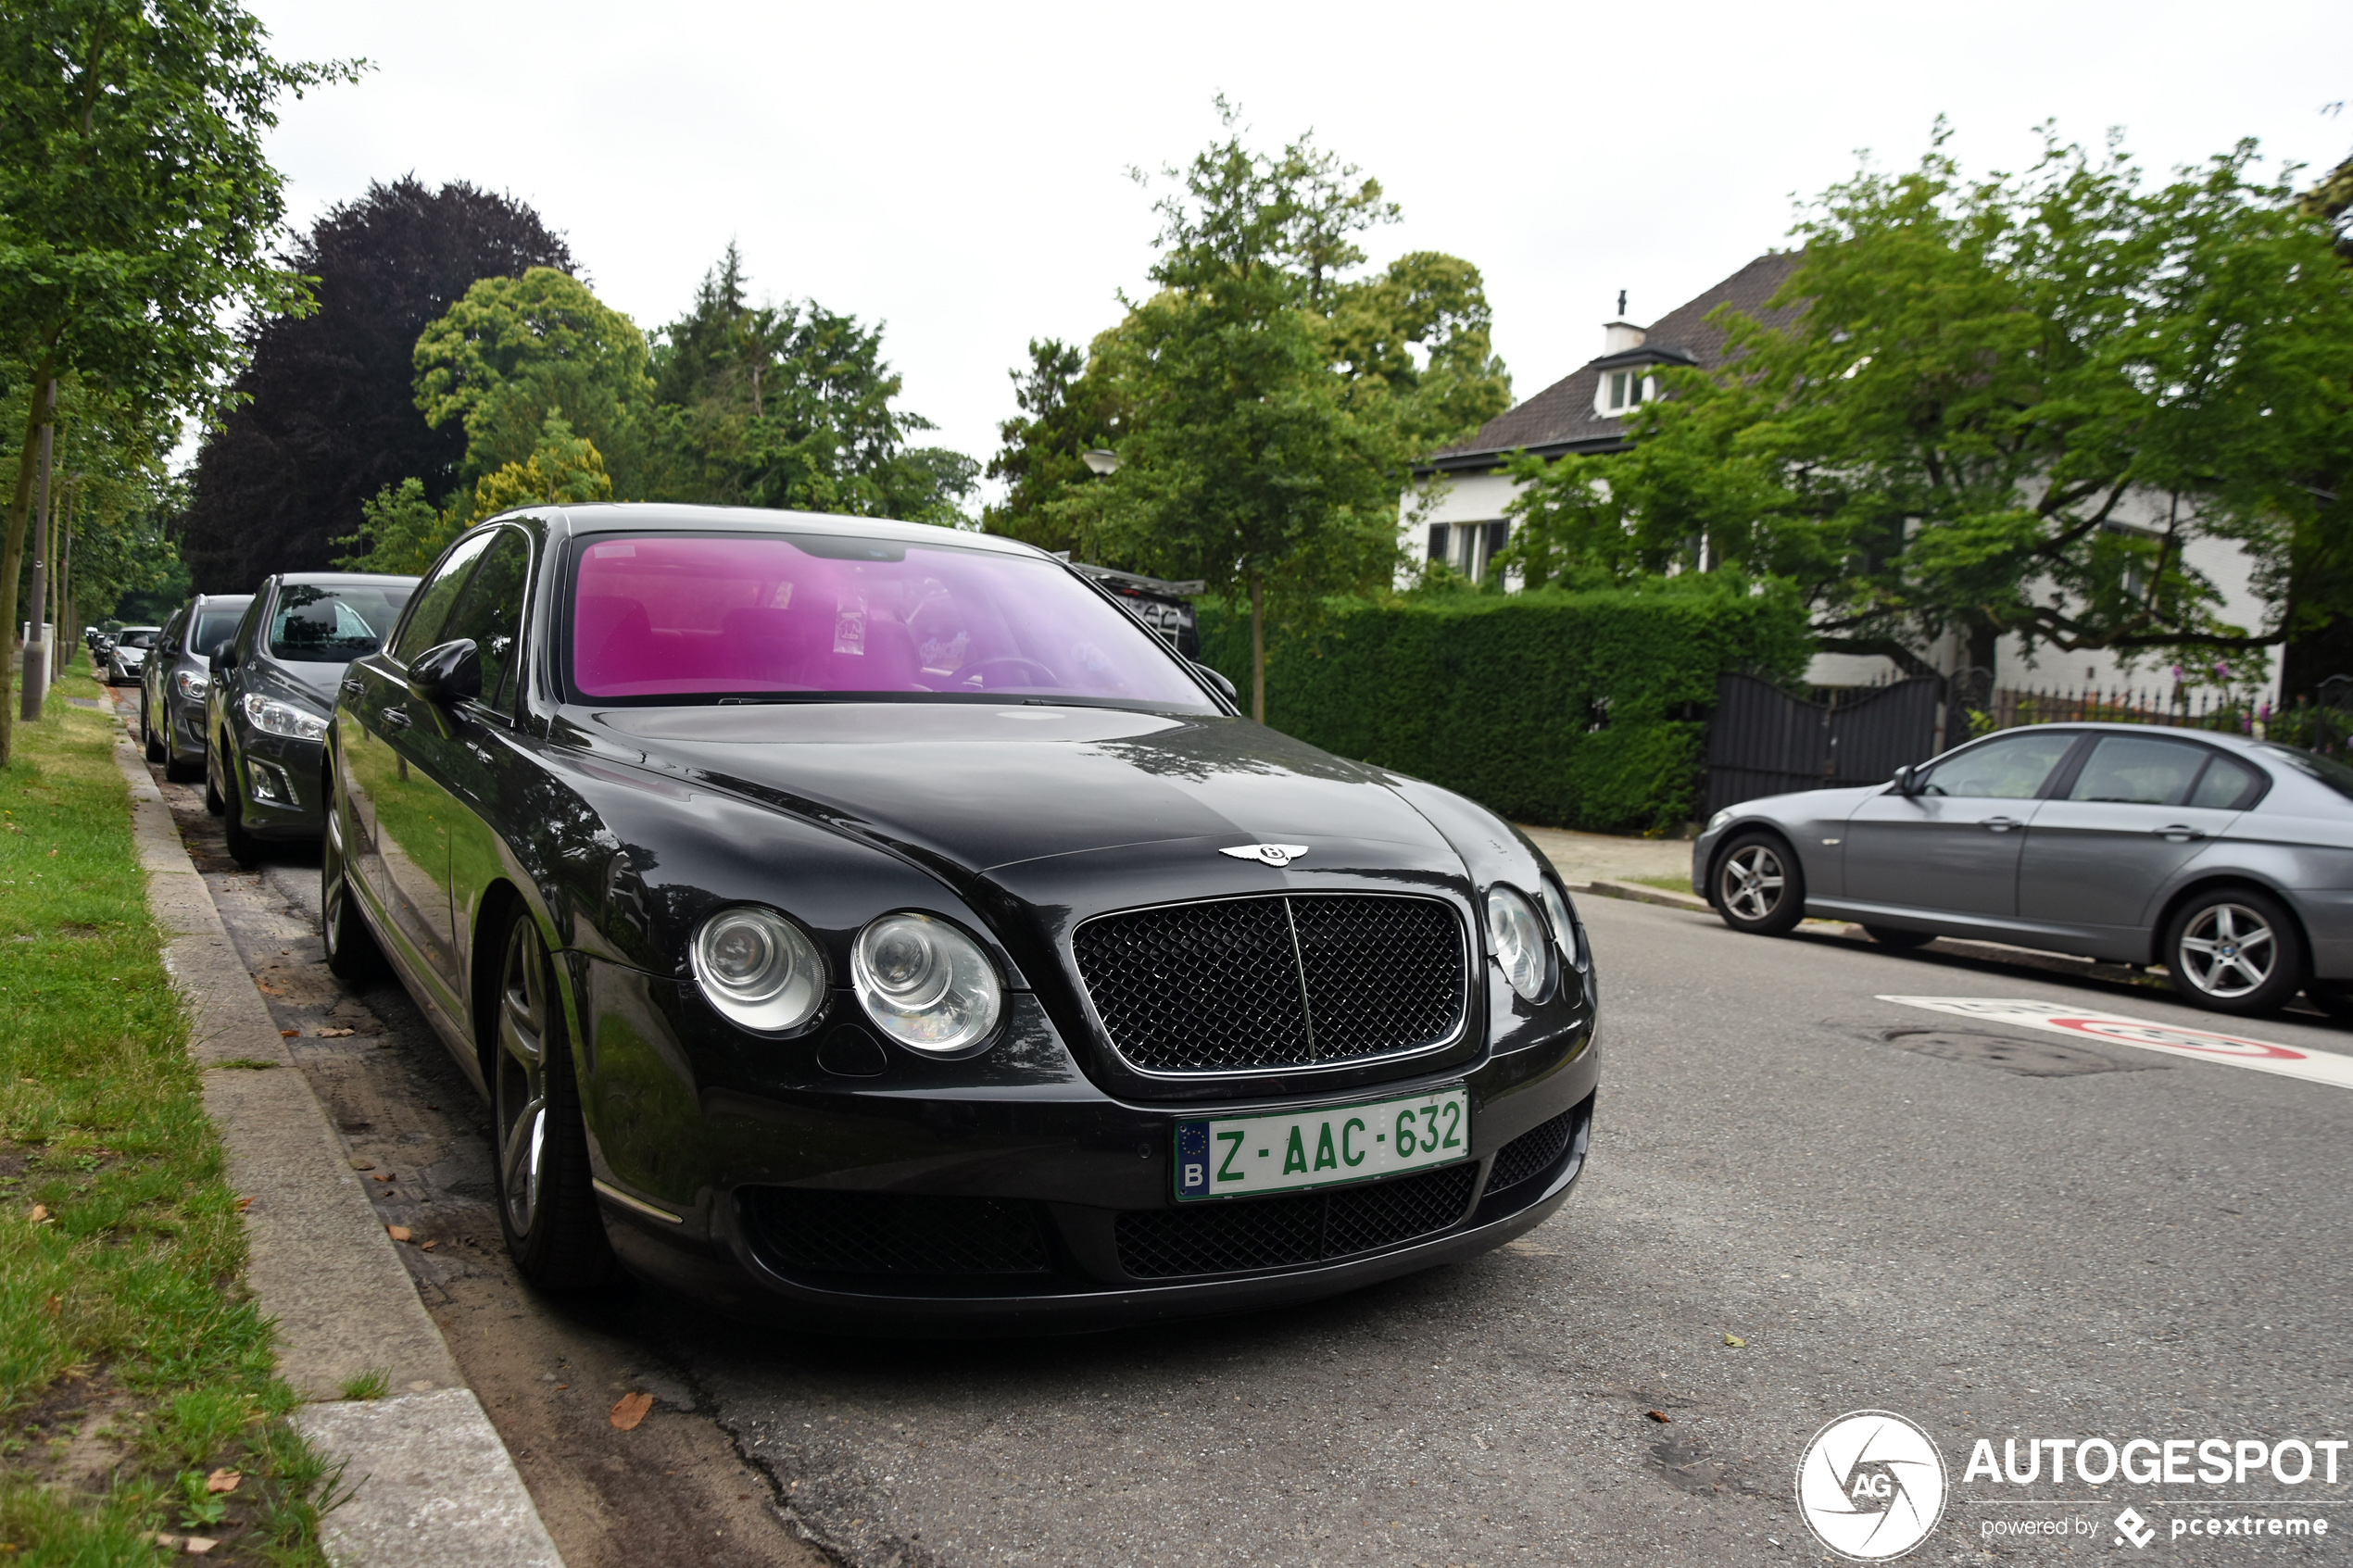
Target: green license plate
1292,1150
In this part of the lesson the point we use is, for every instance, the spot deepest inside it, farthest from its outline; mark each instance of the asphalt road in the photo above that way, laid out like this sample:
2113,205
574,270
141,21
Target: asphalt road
1994,1233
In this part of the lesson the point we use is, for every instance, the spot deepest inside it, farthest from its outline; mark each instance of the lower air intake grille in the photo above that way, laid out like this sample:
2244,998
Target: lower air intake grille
1533,1152
1274,1233
806,1230
1236,985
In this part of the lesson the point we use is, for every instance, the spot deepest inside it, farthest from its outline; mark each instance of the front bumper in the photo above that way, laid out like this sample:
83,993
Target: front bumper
1045,1203
277,781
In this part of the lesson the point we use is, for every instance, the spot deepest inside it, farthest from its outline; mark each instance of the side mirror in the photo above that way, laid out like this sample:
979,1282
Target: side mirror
1214,679
222,658
448,672
1907,780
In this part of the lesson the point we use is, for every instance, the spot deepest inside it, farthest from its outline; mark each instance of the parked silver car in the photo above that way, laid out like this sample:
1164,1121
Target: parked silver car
178,672
2227,859
128,656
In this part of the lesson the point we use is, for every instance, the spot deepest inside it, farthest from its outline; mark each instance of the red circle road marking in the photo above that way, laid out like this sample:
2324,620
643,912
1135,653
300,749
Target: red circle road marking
2185,1039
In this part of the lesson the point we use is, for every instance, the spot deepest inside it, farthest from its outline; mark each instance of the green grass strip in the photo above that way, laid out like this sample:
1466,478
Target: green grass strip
133,1363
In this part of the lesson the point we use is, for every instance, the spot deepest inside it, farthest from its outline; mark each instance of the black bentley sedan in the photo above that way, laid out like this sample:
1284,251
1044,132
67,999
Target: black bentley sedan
879,924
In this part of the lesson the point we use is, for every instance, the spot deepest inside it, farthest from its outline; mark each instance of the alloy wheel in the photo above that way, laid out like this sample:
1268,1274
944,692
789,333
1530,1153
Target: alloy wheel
523,1076
1752,882
2229,951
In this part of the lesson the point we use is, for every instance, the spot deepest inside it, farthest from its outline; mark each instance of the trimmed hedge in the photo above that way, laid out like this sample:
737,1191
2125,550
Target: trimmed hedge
1571,710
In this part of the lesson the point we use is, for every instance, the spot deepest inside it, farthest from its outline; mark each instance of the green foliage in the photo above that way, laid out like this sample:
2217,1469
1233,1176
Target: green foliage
400,532
404,532
1578,710
792,406
515,349
2010,405
136,209
1265,404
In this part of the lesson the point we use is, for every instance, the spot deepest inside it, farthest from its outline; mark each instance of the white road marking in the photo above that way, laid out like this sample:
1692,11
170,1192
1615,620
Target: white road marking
2198,1045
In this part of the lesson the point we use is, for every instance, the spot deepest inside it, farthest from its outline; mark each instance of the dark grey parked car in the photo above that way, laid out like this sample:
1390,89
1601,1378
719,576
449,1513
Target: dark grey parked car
273,686
2227,859
177,674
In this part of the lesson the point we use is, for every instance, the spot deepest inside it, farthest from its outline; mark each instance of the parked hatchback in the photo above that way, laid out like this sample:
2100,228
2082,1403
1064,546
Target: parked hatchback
177,675
273,685
2225,859
127,655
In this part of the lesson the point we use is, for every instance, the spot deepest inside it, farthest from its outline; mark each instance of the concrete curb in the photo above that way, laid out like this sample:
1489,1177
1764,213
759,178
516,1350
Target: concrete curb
431,1483
1608,888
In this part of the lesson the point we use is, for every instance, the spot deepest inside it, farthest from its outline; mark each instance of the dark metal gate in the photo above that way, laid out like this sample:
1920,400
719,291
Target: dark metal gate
1762,741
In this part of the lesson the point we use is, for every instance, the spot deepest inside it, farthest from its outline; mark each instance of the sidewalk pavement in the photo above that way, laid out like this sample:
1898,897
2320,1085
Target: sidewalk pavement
432,1484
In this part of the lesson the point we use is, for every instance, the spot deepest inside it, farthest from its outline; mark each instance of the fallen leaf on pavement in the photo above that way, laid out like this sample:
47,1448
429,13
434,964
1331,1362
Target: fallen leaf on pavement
243,1204
431,1244
1736,1342
333,1034
198,1544
289,1034
397,1233
224,1480
383,1177
269,989
363,1164
1658,1415
630,1410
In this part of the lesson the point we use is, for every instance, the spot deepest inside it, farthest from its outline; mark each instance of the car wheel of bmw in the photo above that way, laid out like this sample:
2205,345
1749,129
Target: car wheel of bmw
351,947
1758,888
546,1204
2235,950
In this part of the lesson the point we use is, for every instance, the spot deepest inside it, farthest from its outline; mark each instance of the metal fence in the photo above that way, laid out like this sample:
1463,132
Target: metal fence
2323,725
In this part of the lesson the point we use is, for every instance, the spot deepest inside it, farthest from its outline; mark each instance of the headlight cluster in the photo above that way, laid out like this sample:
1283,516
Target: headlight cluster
192,684
920,980
925,983
272,716
759,969
1518,937
1566,933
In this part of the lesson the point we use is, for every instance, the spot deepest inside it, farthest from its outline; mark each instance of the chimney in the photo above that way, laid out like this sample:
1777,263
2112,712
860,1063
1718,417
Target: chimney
1619,336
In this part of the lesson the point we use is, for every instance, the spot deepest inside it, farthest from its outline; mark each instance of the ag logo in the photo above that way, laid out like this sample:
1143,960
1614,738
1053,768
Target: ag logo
1871,1485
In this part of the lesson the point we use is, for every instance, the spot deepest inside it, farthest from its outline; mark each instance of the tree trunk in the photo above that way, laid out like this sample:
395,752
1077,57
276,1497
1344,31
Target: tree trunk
1257,649
12,550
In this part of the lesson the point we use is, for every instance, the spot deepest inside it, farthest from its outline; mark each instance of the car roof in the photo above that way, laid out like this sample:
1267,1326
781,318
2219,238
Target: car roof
606,517
221,598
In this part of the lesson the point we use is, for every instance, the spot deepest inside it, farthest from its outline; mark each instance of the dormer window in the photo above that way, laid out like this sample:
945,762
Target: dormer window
1627,390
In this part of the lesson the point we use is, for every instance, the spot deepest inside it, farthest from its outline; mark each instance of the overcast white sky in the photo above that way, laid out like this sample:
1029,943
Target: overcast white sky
959,171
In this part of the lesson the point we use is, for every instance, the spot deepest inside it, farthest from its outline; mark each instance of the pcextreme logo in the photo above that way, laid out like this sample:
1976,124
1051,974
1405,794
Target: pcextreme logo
1871,1485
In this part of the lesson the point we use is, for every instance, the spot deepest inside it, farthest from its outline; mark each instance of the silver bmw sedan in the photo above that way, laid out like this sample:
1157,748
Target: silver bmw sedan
2228,860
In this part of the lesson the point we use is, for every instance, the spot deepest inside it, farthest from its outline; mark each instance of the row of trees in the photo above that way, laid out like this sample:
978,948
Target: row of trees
2008,406
456,366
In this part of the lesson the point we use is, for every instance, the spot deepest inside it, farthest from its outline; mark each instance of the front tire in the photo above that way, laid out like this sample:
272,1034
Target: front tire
156,750
546,1205
352,953
242,847
2235,950
1759,889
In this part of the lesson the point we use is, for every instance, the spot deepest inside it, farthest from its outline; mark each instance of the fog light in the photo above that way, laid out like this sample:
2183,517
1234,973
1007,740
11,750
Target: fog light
267,782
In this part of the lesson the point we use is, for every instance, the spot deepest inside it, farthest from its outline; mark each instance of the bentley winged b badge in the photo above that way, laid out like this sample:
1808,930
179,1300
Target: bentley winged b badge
1275,855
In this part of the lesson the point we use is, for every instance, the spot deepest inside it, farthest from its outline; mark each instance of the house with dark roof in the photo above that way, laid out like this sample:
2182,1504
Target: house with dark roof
1460,520
1457,516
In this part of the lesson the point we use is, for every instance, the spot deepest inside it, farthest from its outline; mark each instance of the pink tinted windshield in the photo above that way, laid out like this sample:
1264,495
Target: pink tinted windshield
670,615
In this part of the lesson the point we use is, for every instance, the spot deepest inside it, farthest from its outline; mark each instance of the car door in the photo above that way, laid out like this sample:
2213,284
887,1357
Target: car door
1954,846
387,759
2140,808
468,748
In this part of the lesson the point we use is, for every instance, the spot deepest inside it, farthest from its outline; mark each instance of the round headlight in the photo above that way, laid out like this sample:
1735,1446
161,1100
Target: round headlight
759,969
1518,937
925,983
1564,932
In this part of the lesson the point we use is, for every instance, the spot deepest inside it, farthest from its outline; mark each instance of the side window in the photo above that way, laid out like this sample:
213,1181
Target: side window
435,596
2013,768
2130,771
169,640
2226,786
490,610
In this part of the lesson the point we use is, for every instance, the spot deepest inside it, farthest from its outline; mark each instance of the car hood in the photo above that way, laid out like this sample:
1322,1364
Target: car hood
997,790
1809,805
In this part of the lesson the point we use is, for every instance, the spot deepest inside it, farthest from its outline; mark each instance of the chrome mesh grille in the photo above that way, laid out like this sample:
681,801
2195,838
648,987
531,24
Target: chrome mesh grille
1271,1233
1532,1153
1292,981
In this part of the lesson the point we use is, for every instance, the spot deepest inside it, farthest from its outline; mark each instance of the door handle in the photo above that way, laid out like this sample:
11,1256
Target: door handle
353,688
2179,833
396,718
2001,824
